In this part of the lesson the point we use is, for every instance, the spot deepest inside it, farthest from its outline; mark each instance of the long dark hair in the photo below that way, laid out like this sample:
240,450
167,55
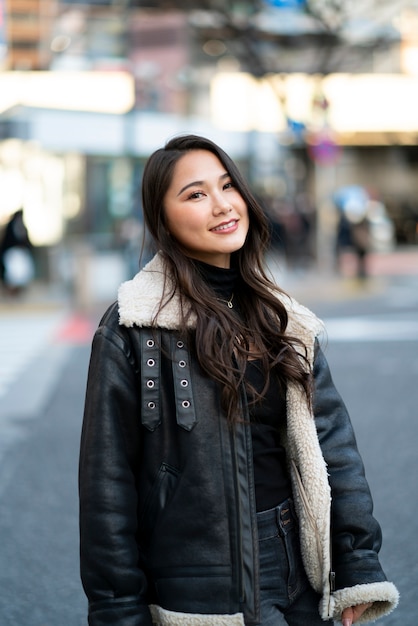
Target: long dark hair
225,341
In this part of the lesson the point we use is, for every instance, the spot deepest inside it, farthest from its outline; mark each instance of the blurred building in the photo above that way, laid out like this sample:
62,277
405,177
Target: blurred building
29,26
89,89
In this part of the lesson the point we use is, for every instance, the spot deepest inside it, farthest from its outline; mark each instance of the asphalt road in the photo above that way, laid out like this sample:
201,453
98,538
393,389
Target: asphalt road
373,353
39,576
372,349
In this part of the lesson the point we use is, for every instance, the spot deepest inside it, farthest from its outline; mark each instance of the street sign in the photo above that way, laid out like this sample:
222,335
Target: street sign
322,147
286,4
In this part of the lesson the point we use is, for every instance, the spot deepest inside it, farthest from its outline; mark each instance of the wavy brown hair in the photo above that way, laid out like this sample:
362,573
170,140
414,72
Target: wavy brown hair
224,340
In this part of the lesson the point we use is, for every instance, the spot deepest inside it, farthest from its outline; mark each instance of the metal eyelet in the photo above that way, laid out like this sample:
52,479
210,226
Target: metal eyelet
185,404
150,343
180,344
150,362
151,405
150,384
184,383
182,363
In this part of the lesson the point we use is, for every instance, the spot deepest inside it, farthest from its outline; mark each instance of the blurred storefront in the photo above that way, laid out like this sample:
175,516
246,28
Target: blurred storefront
100,88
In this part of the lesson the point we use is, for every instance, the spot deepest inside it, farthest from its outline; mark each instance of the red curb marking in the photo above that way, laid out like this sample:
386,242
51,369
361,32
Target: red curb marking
77,329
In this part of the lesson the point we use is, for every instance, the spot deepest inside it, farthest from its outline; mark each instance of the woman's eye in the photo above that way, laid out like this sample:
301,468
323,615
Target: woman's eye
195,194
229,185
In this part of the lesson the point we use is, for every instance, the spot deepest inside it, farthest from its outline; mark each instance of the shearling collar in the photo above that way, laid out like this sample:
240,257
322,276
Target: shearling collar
140,298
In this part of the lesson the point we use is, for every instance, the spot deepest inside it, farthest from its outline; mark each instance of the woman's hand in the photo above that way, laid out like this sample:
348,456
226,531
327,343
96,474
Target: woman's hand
352,613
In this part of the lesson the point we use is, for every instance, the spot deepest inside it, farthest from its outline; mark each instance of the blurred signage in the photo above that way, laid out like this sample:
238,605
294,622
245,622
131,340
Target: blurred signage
286,4
323,148
100,92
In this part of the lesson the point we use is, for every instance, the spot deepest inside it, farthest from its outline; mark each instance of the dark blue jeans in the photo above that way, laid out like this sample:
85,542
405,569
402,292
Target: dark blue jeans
286,595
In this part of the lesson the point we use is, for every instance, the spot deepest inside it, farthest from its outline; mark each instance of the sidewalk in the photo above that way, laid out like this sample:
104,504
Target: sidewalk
42,301
307,283
311,285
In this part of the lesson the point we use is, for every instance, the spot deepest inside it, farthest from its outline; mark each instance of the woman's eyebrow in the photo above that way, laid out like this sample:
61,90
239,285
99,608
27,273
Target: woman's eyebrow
200,182
193,184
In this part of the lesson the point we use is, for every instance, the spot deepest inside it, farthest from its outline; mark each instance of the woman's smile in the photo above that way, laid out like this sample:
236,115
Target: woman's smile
228,227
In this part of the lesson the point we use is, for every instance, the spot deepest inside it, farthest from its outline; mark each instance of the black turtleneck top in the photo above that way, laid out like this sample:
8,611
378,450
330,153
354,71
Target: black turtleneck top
271,479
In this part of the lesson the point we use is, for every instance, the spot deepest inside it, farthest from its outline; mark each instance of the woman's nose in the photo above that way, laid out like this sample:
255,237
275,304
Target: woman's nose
221,205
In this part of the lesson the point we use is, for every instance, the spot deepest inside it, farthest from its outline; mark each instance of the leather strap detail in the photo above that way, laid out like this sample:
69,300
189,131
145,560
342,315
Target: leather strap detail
150,378
185,410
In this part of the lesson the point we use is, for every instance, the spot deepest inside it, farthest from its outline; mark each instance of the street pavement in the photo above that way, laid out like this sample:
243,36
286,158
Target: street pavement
371,344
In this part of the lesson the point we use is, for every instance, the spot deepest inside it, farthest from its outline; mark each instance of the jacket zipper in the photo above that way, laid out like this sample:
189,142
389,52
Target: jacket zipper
238,526
331,573
245,412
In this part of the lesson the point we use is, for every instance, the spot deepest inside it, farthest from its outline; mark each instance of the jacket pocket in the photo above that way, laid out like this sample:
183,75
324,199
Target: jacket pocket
159,495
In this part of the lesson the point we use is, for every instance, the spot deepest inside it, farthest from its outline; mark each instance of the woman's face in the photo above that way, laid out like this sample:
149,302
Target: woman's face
204,211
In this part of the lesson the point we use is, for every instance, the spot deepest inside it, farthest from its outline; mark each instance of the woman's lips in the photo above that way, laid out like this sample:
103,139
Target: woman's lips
225,227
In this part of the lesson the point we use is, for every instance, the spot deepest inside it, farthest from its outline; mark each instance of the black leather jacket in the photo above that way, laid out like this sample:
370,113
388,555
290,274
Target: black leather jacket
167,506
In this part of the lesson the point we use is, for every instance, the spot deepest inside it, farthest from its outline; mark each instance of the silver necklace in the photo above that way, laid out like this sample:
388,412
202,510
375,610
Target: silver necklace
227,302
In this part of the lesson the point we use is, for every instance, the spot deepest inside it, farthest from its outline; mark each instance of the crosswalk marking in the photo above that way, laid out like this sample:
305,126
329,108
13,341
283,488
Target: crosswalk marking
31,358
22,337
372,328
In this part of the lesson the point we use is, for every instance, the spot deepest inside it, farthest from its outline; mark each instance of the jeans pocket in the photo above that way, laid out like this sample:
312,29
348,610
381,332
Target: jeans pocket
297,580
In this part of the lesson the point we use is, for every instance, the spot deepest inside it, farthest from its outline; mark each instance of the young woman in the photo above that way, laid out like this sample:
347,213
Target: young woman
220,482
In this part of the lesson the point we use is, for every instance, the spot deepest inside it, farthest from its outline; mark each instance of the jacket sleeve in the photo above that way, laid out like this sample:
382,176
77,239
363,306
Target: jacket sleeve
356,535
111,575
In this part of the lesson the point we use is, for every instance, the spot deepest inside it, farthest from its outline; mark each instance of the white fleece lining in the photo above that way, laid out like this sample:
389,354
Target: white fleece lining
384,595
163,617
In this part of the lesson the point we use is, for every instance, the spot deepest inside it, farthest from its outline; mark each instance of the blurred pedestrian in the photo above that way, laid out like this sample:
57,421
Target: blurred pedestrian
353,226
361,240
16,258
353,237
220,482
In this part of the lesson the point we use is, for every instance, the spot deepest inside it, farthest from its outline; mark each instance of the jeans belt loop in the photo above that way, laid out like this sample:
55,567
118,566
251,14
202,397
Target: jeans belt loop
285,517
